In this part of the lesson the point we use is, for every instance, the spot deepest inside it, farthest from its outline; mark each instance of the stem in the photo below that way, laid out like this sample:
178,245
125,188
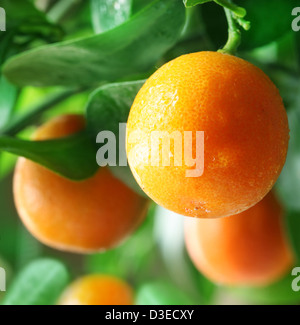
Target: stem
239,11
234,34
19,123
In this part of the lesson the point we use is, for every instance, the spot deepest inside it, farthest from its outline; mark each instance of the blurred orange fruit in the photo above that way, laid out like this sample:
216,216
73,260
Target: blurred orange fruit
87,216
97,290
249,248
245,129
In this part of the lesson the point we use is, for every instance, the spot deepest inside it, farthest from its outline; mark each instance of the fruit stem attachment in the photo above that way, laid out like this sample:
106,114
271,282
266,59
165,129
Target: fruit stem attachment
235,18
234,35
227,4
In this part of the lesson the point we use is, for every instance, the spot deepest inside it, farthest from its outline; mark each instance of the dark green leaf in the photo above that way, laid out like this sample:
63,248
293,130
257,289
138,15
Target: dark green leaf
109,14
191,3
270,20
73,157
107,108
162,293
40,283
138,5
130,48
23,17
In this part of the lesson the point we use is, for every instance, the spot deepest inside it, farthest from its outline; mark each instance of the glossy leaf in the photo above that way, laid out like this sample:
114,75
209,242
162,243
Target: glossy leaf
72,157
109,14
108,56
40,283
110,105
107,108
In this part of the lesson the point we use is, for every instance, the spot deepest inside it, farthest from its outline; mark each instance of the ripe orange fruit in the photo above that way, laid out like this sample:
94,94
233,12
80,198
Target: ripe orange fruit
86,216
249,248
97,290
245,129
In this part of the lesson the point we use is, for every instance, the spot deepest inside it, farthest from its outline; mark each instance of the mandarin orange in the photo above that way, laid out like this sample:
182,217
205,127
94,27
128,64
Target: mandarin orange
245,137
87,216
97,290
248,249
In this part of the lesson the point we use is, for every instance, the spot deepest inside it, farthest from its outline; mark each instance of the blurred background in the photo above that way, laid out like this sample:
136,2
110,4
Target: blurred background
153,260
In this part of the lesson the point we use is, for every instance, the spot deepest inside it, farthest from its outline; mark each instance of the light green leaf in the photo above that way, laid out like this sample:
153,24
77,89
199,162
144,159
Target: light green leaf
40,283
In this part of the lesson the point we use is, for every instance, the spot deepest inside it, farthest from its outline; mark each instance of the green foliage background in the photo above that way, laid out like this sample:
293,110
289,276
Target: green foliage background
91,57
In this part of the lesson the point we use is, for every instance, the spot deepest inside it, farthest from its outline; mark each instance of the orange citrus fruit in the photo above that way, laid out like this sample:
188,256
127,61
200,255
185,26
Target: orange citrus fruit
97,290
86,216
249,248
244,140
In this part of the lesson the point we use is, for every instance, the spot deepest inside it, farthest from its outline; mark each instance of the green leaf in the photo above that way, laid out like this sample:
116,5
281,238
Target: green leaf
270,20
40,283
162,293
288,184
107,108
109,14
191,3
24,18
23,120
8,94
128,49
138,5
72,157
293,225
